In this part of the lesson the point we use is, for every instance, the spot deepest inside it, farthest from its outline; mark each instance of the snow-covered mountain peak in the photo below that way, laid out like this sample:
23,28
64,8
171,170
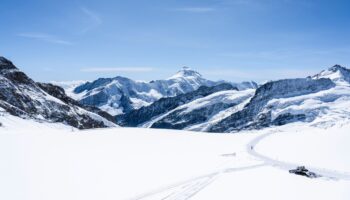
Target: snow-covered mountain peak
9,73
3,61
337,73
186,72
336,68
6,64
23,97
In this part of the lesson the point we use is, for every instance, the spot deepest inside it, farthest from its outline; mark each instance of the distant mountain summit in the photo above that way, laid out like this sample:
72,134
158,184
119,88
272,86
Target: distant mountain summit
337,73
186,72
120,95
21,96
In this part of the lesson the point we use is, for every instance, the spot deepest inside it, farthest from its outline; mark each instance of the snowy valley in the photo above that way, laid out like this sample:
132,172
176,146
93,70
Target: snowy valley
51,161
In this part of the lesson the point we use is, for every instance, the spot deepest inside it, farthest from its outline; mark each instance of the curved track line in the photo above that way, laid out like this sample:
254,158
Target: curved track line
326,173
189,188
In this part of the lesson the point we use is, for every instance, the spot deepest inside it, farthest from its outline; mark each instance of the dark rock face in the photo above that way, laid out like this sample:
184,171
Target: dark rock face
98,99
57,92
21,96
60,94
6,64
12,81
251,117
288,118
163,105
126,104
89,85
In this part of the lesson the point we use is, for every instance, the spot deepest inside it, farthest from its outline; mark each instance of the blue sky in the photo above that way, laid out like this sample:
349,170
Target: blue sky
234,40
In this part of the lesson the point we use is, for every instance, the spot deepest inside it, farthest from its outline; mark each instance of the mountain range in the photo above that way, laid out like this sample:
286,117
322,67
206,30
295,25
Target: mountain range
120,95
184,101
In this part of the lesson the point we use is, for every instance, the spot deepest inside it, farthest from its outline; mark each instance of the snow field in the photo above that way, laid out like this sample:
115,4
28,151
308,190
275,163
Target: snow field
40,161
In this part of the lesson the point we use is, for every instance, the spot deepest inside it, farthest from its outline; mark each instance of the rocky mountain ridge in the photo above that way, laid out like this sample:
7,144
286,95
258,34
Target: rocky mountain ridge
23,97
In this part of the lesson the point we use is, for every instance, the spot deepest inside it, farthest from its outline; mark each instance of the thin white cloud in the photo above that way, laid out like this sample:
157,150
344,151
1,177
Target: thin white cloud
47,69
45,37
258,74
196,9
116,69
282,54
94,20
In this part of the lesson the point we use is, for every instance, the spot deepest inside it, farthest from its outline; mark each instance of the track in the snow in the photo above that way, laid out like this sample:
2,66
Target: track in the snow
184,190
326,173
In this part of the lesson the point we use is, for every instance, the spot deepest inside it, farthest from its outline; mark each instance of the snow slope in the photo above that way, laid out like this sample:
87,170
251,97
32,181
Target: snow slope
205,111
161,107
42,161
337,73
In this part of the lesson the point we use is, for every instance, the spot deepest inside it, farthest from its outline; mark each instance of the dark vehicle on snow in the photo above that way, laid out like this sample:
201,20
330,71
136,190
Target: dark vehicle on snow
302,171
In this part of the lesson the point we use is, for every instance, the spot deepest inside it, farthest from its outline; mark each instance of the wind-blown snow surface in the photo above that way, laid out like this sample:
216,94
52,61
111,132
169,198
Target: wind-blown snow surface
40,161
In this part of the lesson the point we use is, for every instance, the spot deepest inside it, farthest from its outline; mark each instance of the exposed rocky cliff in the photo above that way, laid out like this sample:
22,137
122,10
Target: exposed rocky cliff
21,96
